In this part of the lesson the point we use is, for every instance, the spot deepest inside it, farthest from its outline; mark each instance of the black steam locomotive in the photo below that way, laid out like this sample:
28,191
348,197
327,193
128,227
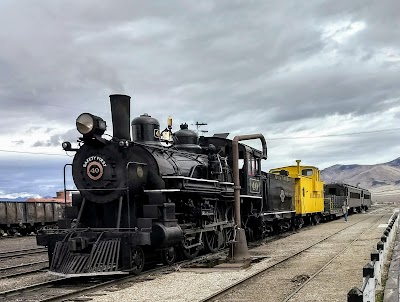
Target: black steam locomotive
156,193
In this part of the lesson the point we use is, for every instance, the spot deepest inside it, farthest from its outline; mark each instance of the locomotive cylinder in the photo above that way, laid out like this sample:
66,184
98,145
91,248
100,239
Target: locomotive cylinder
120,114
165,236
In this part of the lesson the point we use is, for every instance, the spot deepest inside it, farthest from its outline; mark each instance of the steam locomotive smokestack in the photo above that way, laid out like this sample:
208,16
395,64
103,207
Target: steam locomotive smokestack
120,113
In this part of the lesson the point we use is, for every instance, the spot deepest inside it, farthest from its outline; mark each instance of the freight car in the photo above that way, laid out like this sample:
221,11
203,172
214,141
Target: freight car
27,217
153,192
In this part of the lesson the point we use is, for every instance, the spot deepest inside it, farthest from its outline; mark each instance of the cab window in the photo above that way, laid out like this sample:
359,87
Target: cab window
252,165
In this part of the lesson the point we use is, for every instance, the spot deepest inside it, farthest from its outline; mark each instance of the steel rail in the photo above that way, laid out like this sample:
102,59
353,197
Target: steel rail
117,280
22,265
184,263
39,270
20,253
225,290
18,290
329,262
130,278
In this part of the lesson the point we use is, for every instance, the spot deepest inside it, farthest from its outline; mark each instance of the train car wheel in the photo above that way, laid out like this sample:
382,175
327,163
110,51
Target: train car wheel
193,251
137,263
23,231
168,255
190,253
11,232
214,240
316,219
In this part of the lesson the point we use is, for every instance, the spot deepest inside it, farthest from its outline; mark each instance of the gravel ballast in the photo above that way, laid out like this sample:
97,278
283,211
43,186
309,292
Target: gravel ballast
332,284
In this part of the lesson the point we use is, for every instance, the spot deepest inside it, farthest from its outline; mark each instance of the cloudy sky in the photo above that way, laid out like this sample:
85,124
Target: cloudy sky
320,79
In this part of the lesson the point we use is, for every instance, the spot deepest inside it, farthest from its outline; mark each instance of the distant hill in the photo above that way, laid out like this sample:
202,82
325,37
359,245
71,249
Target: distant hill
17,199
377,178
13,199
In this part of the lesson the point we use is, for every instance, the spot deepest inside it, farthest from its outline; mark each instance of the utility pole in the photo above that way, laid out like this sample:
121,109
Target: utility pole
198,125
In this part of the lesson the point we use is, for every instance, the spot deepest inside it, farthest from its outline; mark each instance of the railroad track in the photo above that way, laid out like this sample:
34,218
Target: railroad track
219,296
22,266
68,288
21,253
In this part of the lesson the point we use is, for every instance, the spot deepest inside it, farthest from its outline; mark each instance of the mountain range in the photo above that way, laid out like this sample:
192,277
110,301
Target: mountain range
381,179
19,198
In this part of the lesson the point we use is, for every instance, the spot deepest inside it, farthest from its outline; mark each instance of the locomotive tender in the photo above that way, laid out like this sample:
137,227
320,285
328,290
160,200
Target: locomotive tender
151,192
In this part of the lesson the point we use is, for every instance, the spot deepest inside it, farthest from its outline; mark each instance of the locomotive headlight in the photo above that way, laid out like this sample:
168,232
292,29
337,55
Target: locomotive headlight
66,146
89,124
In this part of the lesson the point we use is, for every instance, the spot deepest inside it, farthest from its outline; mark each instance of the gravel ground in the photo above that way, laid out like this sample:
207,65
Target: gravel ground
22,281
343,273
6,263
285,278
20,243
17,243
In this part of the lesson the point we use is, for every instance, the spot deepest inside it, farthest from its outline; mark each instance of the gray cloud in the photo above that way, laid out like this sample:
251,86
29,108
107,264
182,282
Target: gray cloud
18,142
57,139
222,52
279,68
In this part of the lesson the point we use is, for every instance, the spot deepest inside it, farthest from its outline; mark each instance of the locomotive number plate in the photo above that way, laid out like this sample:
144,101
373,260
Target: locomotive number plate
94,170
254,185
94,167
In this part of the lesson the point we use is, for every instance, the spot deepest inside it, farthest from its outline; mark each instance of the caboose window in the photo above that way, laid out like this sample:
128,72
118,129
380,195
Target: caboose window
307,172
332,191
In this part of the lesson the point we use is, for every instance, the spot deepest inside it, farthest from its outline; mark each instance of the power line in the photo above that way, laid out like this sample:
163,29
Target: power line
334,135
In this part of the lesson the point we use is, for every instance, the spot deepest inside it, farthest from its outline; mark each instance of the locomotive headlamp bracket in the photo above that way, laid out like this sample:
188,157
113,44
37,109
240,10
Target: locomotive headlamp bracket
88,124
68,147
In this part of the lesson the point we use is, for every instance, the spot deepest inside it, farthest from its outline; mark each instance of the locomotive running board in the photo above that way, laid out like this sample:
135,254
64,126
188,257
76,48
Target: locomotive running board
103,258
190,183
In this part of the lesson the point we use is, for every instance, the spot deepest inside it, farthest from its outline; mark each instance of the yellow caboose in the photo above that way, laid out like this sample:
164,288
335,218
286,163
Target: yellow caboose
309,196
